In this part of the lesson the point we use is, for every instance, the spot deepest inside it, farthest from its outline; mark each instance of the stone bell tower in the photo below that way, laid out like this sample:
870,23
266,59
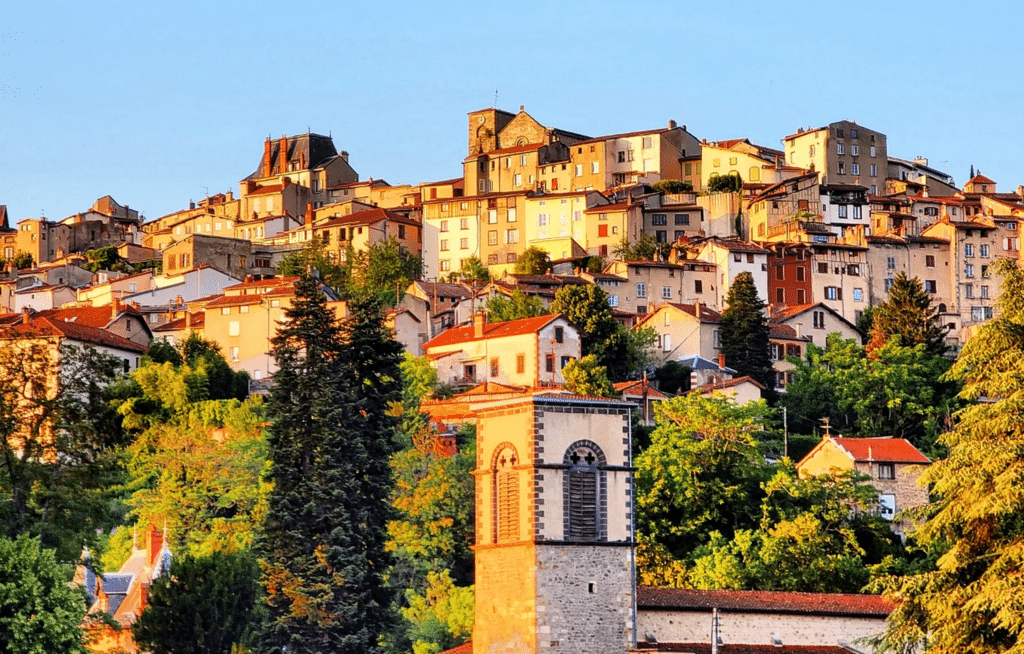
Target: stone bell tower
554,527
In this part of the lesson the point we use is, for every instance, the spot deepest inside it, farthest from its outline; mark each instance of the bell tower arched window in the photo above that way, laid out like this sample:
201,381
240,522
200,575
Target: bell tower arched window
506,494
585,493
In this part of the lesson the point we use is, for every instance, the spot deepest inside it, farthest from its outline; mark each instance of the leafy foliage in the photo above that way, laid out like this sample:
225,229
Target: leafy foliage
384,270
586,377
673,377
908,317
442,616
518,305
898,392
473,270
39,610
202,605
105,258
730,183
331,437
744,333
645,248
59,437
533,261
672,186
714,514
313,257
970,601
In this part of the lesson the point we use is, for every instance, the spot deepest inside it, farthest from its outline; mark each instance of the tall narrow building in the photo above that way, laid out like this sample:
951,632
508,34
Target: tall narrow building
554,536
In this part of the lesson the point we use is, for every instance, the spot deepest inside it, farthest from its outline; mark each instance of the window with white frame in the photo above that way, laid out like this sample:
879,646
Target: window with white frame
666,292
840,149
641,289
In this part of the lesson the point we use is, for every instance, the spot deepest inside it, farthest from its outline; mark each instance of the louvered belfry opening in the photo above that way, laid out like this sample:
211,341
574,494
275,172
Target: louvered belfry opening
584,493
506,496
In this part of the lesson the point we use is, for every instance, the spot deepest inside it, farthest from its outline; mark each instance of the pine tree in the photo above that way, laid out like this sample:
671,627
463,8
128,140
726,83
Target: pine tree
908,314
744,334
971,601
322,544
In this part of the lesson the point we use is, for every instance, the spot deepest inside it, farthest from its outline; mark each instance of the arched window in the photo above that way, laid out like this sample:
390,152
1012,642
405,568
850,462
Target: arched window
585,494
942,308
755,174
506,494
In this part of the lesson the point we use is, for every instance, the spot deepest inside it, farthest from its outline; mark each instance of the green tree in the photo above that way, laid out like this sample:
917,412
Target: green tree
105,258
222,383
586,307
701,473
673,377
645,248
970,601
442,616
162,351
60,440
533,261
331,437
907,316
518,305
473,270
384,270
744,334
39,610
586,377
730,183
201,605
313,257
672,186
23,261
901,391
198,469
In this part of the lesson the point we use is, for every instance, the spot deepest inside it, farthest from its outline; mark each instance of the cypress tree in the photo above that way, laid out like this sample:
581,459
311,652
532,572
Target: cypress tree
908,314
744,334
322,543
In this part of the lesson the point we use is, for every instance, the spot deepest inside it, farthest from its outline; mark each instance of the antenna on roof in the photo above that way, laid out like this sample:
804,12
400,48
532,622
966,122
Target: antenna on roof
825,425
495,99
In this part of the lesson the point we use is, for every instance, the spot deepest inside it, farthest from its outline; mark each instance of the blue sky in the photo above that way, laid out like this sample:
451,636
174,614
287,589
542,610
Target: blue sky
160,103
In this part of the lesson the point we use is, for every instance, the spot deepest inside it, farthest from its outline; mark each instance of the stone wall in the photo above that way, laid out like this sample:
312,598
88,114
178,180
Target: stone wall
749,628
584,599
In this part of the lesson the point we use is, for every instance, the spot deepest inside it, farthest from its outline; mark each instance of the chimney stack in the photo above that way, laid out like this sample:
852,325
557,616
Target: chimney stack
143,596
154,543
479,320
721,361
282,155
266,159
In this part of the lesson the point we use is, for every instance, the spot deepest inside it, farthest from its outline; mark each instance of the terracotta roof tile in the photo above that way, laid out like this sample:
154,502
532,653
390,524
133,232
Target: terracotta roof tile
729,648
893,450
763,602
43,327
491,330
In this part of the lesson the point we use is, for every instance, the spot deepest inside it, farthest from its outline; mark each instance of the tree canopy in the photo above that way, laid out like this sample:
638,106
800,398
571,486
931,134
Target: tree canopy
712,513
644,248
744,333
908,317
970,601
202,605
533,261
322,545
672,186
39,610
500,308
586,377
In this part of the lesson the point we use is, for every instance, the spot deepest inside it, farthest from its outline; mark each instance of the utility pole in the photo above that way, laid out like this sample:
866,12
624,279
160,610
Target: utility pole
785,431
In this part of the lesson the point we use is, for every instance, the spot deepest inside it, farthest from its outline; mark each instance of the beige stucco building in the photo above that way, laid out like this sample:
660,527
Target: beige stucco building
841,153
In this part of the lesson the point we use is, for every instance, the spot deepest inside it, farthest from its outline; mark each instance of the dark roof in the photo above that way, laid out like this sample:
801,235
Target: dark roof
763,601
317,148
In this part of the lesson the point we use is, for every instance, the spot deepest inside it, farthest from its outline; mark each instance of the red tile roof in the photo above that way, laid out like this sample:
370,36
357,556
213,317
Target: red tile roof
707,314
92,316
262,283
505,329
266,190
637,387
45,327
892,450
980,179
465,648
763,601
728,648
728,383
367,217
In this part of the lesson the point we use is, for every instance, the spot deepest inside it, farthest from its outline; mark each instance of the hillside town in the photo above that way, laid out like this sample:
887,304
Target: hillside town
571,300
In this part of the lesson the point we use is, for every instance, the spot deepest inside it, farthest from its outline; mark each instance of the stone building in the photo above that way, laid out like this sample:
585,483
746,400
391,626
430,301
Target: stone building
892,463
554,537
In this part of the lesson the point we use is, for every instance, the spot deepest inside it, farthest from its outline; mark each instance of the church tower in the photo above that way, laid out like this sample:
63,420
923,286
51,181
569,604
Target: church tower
554,527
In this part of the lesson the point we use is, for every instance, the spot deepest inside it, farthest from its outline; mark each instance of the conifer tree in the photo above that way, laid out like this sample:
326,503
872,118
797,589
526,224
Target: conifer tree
971,601
744,334
908,313
322,544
